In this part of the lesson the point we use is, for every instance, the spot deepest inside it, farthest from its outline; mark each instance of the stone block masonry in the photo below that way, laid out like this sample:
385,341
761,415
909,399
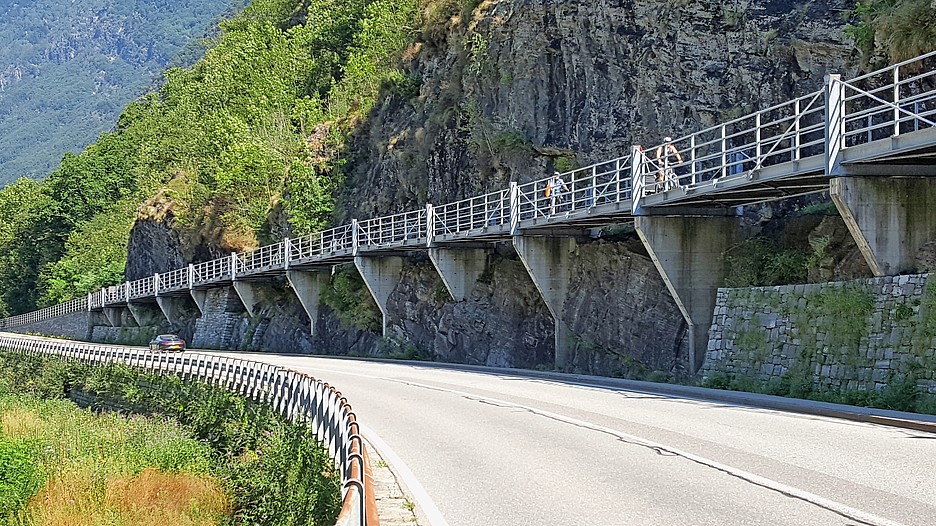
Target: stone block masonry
864,335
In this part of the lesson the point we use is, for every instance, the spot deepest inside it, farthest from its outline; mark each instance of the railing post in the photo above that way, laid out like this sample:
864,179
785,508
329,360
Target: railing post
430,224
286,250
89,301
692,159
156,284
514,208
594,185
233,265
636,176
191,275
834,123
354,237
126,291
795,152
724,151
757,142
896,101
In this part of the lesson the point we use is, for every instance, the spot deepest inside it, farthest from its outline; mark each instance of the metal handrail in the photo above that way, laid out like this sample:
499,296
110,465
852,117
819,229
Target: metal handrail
393,230
292,394
265,257
478,212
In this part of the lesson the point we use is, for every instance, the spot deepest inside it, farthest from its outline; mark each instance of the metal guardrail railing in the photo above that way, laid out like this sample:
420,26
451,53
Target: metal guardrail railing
887,103
393,230
62,309
890,102
475,213
263,258
214,270
581,191
292,394
141,288
785,132
173,280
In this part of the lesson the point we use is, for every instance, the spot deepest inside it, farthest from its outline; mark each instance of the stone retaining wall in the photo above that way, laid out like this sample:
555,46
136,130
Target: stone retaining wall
863,335
73,326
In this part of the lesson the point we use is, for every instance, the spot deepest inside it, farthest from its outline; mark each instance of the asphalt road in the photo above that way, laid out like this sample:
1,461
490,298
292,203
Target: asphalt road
499,449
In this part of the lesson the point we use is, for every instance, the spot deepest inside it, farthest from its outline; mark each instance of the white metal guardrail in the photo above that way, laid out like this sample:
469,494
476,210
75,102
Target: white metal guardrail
891,102
292,394
785,132
69,307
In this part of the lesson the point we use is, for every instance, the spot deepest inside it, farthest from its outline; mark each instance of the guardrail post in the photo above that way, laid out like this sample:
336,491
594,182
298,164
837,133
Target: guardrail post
796,130
430,225
287,248
191,276
156,284
514,209
896,101
834,124
355,229
692,159
636,175
233,266
757,140
724,151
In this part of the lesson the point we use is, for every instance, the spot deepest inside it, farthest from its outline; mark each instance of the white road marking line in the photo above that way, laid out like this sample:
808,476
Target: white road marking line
409,480
774,485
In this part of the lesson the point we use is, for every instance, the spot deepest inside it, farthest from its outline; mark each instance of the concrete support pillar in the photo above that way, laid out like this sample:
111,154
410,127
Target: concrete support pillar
251,294
459,268
889,217
145,314
548,260
199,296
308,287
689,254
119,317
97,318
175,308
381,275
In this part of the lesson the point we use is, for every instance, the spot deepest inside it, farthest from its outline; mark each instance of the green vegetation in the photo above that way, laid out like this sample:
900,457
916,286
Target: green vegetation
69,68
256,128
757,261
348,296
265,464
889,31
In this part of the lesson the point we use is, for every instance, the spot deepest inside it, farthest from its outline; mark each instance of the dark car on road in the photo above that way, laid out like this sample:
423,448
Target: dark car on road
167,342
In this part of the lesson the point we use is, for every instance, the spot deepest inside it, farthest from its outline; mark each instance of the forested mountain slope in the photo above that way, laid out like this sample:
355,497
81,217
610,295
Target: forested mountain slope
67,69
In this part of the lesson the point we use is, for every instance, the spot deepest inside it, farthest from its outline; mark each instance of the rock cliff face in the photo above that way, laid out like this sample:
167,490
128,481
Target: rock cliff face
516,90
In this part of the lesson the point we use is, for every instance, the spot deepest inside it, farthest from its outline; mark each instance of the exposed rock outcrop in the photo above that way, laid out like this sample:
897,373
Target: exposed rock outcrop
509,94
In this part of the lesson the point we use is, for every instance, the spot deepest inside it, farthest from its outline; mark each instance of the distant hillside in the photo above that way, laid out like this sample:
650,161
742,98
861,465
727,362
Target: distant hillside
67,69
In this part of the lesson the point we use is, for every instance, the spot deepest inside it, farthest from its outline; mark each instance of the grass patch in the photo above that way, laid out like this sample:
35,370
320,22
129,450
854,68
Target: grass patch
245,463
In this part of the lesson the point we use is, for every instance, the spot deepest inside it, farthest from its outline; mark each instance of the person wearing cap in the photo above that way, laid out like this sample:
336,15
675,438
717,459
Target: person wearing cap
667,156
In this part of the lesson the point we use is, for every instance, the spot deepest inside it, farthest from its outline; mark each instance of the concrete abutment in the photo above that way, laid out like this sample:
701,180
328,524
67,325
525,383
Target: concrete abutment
308,288
459,268
689,254
381,275
547,259
890,218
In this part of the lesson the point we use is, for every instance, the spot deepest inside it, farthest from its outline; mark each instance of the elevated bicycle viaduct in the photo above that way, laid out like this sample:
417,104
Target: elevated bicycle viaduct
870,142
